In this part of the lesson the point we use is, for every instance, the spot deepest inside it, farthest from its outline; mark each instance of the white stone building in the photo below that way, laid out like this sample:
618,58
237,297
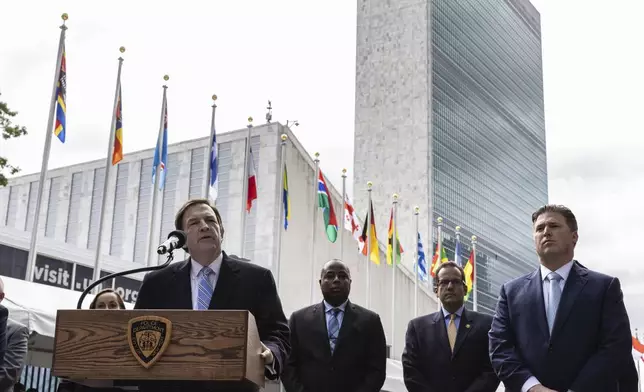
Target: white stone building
72,198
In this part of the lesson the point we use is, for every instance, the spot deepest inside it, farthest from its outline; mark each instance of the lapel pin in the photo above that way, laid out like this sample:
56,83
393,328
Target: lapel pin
467,325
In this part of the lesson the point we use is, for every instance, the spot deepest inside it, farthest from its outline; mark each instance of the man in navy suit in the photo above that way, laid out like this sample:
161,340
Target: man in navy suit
563,327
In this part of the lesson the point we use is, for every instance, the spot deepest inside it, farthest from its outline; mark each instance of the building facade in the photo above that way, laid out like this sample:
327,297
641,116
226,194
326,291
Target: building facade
68,232
450,115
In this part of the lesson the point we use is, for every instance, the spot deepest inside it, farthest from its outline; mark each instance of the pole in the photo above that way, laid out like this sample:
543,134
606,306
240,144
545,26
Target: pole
45,157
155,190
394,260
315,221
639,381
344,211
245,187
212,136
280,211
417,269
368,239
108,169
439,232
475,289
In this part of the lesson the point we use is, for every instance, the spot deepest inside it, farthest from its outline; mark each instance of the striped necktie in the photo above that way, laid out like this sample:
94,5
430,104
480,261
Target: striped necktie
333,328
204,288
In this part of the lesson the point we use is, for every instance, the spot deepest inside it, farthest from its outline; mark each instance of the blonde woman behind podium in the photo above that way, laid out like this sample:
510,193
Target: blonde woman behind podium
107,299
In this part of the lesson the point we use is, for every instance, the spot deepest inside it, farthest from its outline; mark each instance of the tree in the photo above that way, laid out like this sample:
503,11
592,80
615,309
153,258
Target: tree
8,131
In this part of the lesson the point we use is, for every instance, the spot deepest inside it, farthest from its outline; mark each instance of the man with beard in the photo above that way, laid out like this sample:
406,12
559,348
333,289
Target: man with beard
336,345
447,351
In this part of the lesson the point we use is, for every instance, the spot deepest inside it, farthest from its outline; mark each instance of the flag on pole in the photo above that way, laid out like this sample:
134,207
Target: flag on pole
324,202
638,348
351,221
252,181
61,100
390,242
161,157
421,262
372,242
214,185
469,274
286,200
117,153
457,252
436,260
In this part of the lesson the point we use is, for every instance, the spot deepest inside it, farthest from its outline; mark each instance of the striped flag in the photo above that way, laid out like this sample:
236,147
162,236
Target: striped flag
469,274
214,184
421,262
161,157
252,181
285,198
324,202
61,100
117,153
372,241
390,242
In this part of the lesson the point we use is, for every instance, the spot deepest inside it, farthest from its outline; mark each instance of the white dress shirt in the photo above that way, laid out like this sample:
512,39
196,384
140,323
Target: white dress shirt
563,271
195,268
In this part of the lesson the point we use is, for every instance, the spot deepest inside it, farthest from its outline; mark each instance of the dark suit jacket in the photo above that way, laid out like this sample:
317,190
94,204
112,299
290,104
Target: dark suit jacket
591,339
358,363
15,356
430,366
629,381
4,315
240,285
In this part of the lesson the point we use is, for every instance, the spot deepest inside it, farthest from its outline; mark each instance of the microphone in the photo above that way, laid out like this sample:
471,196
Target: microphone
176,240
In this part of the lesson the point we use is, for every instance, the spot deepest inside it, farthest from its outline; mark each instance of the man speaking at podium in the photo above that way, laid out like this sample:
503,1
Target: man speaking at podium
211,279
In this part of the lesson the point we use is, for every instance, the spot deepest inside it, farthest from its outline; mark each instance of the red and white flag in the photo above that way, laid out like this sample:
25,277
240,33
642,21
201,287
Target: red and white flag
638,349
252,181
351,221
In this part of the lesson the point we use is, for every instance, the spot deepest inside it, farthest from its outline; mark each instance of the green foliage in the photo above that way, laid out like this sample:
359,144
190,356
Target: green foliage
9,131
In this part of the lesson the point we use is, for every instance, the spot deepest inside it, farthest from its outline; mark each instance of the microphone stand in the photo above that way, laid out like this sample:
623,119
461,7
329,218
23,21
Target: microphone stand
122,273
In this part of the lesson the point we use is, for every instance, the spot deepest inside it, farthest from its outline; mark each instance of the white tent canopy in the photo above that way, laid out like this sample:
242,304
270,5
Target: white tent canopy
34,305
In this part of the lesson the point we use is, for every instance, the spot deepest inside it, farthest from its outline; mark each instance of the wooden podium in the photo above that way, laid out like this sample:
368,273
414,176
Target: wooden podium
98,346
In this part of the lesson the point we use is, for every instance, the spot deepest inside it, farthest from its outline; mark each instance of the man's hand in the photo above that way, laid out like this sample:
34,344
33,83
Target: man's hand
540,388
267,355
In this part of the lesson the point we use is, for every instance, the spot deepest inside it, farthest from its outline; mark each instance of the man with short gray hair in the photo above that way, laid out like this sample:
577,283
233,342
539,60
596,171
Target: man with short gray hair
17,338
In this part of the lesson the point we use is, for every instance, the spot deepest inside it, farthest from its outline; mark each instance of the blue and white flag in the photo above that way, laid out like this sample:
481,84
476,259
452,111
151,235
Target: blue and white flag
214,184
421,262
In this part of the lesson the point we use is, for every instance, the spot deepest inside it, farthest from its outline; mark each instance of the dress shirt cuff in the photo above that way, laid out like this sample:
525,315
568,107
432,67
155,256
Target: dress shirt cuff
532,381
271,368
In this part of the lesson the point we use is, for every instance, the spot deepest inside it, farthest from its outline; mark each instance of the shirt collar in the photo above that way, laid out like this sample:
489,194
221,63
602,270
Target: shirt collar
563,271
195,267
459,312
328,307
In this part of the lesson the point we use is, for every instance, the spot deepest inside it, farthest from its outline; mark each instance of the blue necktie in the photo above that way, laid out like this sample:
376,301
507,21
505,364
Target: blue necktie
554,296
204,288
333,328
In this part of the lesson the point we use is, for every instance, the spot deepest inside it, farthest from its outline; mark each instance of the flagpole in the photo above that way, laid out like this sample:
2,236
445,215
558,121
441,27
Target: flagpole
245,187
155,190
280,211
315,221
368,239
394,260
417,269
108,169
457,246
344,195
439,230
475,300
639,381
212,135
45,156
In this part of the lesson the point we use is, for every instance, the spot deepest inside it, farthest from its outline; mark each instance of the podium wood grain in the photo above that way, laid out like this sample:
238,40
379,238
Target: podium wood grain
205,345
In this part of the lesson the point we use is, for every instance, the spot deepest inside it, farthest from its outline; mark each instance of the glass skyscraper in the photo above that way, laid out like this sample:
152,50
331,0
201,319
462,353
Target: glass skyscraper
449,113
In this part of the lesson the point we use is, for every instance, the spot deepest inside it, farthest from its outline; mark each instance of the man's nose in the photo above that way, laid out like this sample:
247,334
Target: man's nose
203,226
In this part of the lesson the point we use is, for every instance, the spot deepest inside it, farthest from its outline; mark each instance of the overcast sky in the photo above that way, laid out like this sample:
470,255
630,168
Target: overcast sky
301,55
